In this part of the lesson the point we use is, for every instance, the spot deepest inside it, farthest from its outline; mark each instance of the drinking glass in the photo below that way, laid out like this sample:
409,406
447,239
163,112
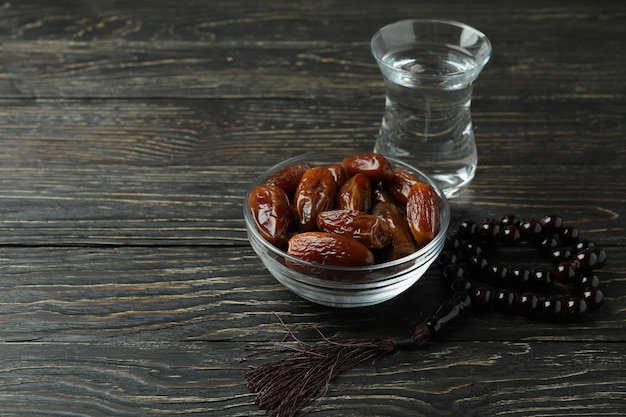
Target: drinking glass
429,68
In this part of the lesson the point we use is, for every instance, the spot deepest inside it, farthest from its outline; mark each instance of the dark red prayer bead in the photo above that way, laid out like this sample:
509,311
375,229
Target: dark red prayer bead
593,297
453,243
551,223
601,254
588,279
455,271
527,304
560,254
541,279
583,244
433,325
481,296
547,245
467,229
510,235
446,258
551,308
519,276
476,266
489,230
565,272
569,235
530,228
497,274
505,301
586,260
469,249
574,307
510,220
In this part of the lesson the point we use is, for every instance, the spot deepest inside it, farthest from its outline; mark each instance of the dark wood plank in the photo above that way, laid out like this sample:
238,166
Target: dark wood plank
120,50
205,133
147,379
112,70
171,378
247,20
216,294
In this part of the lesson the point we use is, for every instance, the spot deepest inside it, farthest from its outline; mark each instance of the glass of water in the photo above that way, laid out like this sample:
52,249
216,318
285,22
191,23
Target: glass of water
429,67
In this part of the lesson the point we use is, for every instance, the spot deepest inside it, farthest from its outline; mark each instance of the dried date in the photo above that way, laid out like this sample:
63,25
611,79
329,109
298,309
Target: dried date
288,178
338,173
368,229
356,194
373,165
422,212
401,242
399,186
380,194
315,193
329,249
272,214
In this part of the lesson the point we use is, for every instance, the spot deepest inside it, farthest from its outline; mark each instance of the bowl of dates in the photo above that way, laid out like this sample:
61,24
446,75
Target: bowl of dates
346,231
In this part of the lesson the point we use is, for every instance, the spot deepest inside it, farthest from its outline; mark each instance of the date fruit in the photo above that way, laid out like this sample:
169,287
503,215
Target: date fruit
399,186
329,249
338,173
380,194
373,165
315,193
356,194
368,229
402,243
272,214
288,178
422,213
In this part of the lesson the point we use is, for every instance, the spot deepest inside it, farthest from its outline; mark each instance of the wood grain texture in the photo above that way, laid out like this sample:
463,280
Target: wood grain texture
131,131
219,294
152,172
288,49
193,71
580,132
170,378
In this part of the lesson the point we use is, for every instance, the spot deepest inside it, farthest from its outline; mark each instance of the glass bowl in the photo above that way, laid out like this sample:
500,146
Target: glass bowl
346,286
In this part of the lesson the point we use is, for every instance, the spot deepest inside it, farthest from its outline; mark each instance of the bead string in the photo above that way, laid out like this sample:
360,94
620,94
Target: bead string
476,280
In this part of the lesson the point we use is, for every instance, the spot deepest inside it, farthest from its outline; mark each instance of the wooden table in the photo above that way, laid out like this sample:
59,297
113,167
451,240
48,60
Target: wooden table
131,130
